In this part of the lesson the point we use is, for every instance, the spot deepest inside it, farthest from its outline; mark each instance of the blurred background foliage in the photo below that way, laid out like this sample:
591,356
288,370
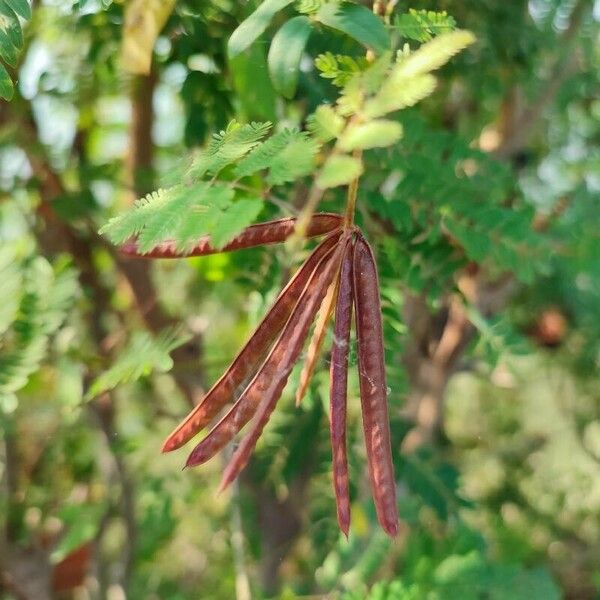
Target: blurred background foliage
485,219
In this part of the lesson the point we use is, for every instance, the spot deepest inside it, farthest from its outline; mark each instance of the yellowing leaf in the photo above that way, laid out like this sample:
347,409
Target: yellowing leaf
375,134
143,21
339,170
436,53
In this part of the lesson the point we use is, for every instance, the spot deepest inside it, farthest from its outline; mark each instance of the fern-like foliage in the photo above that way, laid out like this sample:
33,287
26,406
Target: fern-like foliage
339,68
187,211
228,146
287,155
424,25
35,304
142,355
438,178
182,214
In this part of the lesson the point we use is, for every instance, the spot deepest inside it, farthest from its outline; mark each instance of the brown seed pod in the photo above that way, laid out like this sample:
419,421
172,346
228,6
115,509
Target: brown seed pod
234,380
310,303
316,341
261,234
272,376
338,382
373,390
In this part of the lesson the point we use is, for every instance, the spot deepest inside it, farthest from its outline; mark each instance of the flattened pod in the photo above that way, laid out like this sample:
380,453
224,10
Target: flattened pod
276,368
251,355
373,390
338,390
316,342
271,232
310,302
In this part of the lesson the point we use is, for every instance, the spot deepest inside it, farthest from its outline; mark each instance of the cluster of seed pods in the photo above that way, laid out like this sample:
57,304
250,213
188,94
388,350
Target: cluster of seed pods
339,276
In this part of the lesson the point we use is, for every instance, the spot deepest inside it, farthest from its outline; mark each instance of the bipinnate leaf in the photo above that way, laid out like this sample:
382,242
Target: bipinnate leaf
340,169
373,389
285,53
423,25
356,21
338,382
252,27
141,356
228,146
251,355
374,134
284,358
267,385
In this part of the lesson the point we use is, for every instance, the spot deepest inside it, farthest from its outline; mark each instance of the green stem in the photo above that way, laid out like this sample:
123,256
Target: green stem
351,199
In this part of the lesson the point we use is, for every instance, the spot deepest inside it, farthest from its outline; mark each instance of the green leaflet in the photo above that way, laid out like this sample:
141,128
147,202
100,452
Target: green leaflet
11,277
11,40
289,154
375,134
254,25
398,93
21,7
234,219
339,68
285,54
356,21
325,124
10,28
37,306
182,214
423,25
227,147
339,170
253,85
6,85
296,160
435,54
142,355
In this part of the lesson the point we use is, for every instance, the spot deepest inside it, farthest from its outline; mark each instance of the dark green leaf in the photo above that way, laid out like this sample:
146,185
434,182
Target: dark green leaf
285,54
6,86
21,7
10,28
356,21
253,84
254,25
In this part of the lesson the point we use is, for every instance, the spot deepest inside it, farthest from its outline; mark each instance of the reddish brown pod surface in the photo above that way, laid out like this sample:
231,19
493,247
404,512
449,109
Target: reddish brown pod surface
261,234
231,383
373,389
270,380
338,390
338,277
